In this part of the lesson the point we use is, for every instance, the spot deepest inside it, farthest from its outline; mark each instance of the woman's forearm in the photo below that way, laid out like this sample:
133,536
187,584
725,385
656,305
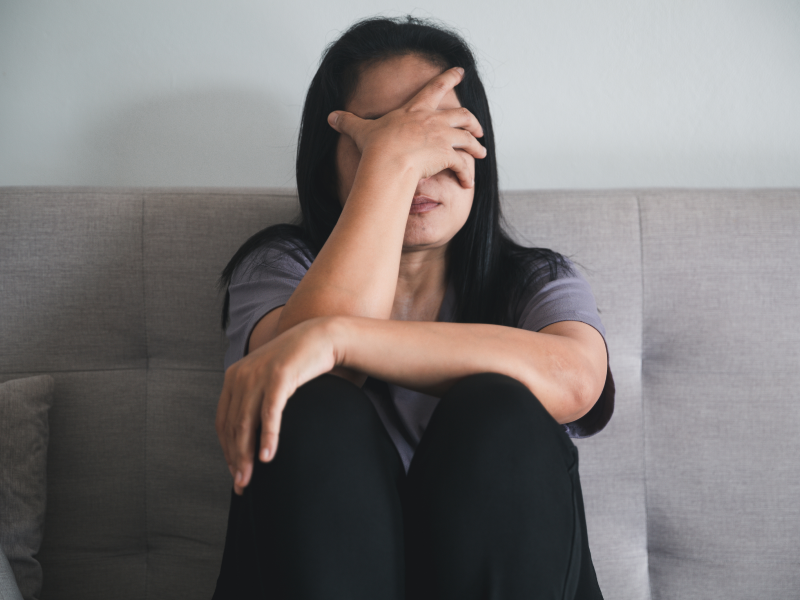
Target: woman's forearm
430,357
356,271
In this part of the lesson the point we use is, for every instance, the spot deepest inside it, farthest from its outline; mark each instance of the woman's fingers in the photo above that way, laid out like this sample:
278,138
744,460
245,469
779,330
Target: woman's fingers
463,119
463,169
431,95
350,125
244,441
466,141
234,432
260,402
222,417
432,129
459,160
271,415
344,122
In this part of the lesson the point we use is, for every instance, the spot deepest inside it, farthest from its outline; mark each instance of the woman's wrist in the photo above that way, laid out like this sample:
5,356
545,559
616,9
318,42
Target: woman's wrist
338,329
337,333
391,173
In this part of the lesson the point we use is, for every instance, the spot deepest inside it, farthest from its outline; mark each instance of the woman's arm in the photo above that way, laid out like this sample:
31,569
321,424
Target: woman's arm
564,365
355,272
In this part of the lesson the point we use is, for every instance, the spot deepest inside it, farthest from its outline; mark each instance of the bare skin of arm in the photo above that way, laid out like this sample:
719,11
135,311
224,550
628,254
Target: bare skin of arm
564,364
430,357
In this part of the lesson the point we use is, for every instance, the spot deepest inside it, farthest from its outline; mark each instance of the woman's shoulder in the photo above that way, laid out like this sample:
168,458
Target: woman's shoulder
282,254
552,283
542,266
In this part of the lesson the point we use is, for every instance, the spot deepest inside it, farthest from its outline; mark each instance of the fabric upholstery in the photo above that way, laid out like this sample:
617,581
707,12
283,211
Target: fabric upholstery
721,381
8,584
689,491
184,531
24,432
95,522
77,255
188,243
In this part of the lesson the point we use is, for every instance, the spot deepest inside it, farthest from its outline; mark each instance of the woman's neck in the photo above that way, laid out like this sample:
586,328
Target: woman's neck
421,285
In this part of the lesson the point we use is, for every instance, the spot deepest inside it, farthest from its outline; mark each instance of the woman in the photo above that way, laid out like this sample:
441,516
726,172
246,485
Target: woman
422,372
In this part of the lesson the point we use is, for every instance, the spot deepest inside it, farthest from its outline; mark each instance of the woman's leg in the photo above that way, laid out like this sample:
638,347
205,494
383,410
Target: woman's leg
323,520
494,509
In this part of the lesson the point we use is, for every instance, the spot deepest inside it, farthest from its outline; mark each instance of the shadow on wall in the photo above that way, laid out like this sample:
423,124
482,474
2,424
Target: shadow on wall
217,138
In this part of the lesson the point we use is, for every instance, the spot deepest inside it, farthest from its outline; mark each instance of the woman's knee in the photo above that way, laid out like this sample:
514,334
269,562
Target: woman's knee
493,396
498,411
325,407
329,419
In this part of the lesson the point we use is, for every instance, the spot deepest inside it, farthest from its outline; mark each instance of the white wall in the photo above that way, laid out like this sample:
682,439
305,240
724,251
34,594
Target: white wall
604,94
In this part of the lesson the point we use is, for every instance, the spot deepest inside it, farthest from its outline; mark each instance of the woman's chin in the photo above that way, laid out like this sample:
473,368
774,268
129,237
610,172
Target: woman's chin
431,229
427,240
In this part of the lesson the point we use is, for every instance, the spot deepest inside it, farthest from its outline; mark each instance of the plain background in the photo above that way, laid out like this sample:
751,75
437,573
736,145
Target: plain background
606,94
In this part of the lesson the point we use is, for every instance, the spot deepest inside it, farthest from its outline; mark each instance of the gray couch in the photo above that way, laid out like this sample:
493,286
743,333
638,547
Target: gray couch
692,490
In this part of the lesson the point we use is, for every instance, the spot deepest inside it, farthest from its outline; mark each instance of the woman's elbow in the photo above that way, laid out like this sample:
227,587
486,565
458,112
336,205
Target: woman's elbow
588,392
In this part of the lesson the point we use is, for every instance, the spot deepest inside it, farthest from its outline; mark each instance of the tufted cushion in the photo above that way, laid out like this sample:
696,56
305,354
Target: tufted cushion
24,433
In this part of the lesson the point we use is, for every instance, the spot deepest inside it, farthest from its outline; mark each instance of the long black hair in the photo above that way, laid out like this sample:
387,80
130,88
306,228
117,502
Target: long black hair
487,269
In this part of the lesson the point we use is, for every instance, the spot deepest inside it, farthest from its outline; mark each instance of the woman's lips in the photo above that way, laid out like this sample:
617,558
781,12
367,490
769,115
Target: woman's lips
422,204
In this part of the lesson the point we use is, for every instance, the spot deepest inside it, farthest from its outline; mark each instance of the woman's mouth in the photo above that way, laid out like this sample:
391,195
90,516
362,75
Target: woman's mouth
422,204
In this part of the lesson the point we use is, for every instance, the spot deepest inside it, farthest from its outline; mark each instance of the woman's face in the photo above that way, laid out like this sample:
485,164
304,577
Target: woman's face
386,86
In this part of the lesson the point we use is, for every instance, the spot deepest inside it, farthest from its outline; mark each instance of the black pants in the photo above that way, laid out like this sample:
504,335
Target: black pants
491,507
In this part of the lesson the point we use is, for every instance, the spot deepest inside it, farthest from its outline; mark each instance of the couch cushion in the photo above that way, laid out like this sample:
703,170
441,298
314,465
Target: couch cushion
95,528
188,483
72,278
24,433
8,585
189,237
721,357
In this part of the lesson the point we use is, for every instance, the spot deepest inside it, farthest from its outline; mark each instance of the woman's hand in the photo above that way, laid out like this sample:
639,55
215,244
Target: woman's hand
418,134
258,386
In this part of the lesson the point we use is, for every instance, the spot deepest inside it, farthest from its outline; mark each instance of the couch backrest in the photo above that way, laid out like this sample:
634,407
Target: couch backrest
691,490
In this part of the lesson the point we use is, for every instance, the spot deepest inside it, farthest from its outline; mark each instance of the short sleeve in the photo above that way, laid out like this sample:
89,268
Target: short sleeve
263,281
569,298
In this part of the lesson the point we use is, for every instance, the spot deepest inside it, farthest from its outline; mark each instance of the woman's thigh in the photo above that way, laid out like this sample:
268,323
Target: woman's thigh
493,503
323,519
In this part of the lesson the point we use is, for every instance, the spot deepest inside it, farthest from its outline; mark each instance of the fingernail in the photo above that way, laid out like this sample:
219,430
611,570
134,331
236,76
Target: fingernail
473,183
239,477
265,454
460,70
335,118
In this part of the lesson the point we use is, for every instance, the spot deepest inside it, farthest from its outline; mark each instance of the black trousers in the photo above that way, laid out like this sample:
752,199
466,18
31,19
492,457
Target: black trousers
491,507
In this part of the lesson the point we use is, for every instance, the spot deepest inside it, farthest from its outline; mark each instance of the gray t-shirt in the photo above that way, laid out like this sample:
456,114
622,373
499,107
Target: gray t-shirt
267,278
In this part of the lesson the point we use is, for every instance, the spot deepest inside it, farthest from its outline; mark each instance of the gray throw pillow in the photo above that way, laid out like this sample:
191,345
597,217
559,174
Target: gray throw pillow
24,433
8,584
